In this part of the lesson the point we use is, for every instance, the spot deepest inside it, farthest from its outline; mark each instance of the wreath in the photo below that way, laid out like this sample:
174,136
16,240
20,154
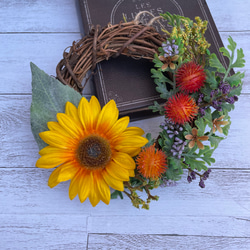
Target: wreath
99,152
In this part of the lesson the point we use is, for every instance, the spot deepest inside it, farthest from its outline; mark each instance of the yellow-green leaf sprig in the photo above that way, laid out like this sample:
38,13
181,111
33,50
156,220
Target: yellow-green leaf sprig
191,33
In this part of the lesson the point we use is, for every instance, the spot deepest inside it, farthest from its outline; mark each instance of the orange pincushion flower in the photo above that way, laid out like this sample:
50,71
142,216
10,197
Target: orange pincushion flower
151,162
190,77
181,108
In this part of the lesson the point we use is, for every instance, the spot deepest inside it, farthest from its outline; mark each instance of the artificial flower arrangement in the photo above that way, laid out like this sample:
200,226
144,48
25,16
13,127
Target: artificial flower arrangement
95,149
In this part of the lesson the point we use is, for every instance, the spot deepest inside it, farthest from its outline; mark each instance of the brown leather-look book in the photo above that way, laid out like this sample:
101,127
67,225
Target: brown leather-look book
124,79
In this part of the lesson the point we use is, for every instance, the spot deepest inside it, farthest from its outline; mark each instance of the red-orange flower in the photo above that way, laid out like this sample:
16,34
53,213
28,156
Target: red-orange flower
181,108
190,77
151,162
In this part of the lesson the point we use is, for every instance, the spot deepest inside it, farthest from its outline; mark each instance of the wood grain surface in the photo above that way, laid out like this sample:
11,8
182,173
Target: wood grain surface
34,216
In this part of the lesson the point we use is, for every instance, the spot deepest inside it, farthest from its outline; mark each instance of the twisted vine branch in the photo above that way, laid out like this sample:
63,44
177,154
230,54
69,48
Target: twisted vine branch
130,39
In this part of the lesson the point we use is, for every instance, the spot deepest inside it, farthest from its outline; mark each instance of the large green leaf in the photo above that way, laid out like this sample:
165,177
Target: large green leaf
49,97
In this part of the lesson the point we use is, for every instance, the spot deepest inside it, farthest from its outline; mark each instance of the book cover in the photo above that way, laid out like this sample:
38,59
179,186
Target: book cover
124,79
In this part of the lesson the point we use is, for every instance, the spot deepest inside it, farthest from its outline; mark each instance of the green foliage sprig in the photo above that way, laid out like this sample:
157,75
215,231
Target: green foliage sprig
191,145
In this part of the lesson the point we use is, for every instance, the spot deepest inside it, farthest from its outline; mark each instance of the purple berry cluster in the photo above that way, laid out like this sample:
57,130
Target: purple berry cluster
203,177
218,97
171,49
199,101
178,147
173,130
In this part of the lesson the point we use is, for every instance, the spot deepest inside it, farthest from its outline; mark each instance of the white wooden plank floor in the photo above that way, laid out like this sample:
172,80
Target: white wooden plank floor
33,216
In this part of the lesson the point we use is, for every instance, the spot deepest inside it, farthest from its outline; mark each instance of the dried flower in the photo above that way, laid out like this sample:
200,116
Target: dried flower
168,61
151,162
194,138
181,108
217,122
190,77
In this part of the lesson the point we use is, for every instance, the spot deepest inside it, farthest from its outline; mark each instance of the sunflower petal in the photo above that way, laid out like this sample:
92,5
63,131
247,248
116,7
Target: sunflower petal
114,183
49,150
69,125
55,126
95,110
94,195
52,182
118,127
129,141
85,185
133,131
73,187
131,173
108,116
124,160
71,110
51,160
133,151
103,188
117,172
84,113
57,140
67,172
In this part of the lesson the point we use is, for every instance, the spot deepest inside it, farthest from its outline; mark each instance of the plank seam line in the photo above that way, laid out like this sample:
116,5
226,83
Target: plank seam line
172,235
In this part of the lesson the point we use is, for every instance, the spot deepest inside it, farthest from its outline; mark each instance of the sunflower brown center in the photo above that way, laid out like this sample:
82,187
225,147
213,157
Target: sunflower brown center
94,152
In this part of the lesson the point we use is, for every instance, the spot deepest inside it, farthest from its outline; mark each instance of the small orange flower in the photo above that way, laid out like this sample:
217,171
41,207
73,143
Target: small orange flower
151,162
194,138
190,77
168,61
181,108
217,122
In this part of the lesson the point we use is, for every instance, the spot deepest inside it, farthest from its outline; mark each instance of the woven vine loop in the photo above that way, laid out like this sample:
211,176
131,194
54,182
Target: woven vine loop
130,39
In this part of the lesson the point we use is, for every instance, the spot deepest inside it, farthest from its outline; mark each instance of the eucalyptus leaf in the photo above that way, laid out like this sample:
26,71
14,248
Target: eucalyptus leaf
235,91
225,52
215,62
208,117
213,84
240,62
195,164
200,126
49,97
215,140
159,75
226,128
232,44
235,79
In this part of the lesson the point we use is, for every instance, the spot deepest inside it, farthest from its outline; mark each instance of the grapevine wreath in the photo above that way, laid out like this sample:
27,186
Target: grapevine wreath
95,149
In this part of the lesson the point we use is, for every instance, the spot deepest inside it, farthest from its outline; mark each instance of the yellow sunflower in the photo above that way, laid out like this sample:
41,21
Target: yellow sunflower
92,148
